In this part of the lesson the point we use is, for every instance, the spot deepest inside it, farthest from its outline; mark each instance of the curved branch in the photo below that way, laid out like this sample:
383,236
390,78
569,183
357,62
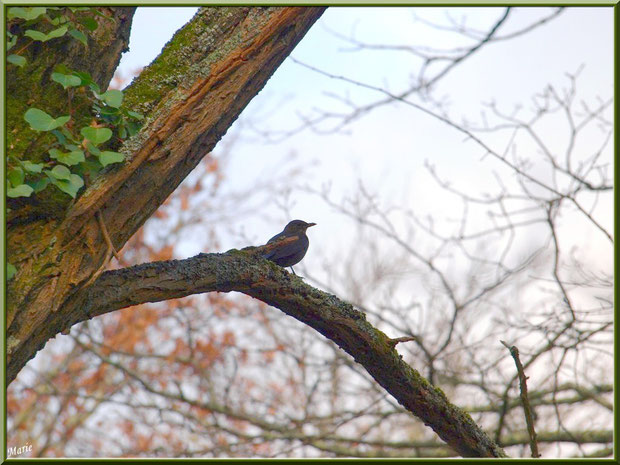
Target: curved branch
245,271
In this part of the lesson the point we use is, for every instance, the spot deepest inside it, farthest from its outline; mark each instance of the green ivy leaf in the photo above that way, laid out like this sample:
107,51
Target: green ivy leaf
89,23
62,68
41,121
40,36
112,97
68,136
96,12
92,149
90,167
17,60
107,110
60,20
39,184
71,158
10,41
61,31
26,13
32,167
107,157
23,190
16,176
133,128
10,270
135,114
36,35
62,120
96,135
60,136
66,80
70,186
59,172
79,35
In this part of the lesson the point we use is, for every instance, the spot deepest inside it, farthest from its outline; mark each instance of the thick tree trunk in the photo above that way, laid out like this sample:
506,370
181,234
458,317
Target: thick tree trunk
190,95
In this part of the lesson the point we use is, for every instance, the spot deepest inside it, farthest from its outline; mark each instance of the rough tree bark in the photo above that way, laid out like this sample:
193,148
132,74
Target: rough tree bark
190,95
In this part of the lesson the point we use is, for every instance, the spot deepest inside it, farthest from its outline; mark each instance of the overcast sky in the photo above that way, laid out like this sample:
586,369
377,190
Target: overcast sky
387,148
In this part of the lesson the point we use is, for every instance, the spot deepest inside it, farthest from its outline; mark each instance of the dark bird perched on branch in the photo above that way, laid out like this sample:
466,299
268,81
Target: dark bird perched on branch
291,252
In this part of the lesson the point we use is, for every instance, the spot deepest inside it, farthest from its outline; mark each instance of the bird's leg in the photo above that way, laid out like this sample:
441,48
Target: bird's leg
293,271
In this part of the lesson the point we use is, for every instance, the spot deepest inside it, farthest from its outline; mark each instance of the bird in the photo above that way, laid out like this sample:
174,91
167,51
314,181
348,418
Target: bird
290,253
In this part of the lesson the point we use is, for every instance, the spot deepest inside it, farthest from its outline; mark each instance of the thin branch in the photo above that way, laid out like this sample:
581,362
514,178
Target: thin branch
527,408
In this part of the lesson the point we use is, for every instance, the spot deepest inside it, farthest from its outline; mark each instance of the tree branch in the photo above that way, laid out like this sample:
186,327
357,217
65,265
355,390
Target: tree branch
527,408
245,271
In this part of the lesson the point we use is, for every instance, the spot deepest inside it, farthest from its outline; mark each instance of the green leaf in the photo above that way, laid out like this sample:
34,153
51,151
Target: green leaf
107,158
66,80
70,186
60,20
10,270
133,128
62,68
71,158
40,36
62,120
32,167
92,149
10,41
17,60
54,153
16,176
60,136
96,135
26,13
23,190
107,110
96,12
91,167
36,35
61,31
41,121
112,97
79,35
89,23
39,184
59,172
135,114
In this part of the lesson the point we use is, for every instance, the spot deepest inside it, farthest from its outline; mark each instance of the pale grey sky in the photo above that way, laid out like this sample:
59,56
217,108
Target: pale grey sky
388,147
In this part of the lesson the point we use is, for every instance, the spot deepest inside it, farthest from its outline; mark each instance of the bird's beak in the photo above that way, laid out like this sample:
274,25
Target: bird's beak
310,224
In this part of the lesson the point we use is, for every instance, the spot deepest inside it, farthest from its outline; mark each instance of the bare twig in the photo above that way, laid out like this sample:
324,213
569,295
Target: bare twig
529,417
396,340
